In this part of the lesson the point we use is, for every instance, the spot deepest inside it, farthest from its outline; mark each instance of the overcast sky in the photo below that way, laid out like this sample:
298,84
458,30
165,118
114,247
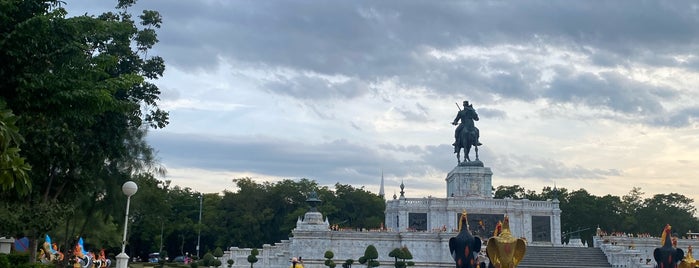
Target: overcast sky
599,95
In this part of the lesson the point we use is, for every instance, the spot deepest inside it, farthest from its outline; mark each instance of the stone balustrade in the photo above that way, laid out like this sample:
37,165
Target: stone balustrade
634,252
430,202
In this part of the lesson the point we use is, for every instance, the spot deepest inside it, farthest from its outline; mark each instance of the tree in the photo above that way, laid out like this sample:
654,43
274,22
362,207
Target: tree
514,191
230,263
358,207
208,259
400,256
672,208
13,169
348,263
370,256
631,204
267,212
81,90
218,252
252,258
329,259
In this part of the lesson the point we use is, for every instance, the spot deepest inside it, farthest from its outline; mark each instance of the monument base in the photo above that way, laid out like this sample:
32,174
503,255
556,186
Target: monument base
470,180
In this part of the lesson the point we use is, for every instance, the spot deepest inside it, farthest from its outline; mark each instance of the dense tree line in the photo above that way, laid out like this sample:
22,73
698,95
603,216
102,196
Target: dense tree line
256,213
583,212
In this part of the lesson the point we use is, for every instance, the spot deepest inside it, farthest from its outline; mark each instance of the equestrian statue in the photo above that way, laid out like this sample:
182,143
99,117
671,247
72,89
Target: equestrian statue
466,134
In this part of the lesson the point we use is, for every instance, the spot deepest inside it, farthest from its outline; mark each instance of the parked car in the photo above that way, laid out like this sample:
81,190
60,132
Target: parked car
154,257
182,259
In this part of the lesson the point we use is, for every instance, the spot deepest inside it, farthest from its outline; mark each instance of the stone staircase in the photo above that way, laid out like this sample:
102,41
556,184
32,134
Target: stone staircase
563,257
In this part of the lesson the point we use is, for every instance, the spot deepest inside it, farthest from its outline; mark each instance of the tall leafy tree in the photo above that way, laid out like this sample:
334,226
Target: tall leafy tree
673,208
267,212
514,191
357,207
631,204
82,91
13,168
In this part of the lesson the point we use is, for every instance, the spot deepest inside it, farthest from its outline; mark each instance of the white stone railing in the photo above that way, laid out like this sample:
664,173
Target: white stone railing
454,202
634,252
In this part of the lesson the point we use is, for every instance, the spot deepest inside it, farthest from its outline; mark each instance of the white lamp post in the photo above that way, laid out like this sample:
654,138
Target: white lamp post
199,236
129,188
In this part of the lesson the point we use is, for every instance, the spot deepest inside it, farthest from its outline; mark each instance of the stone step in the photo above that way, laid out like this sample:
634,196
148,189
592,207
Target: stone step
563,257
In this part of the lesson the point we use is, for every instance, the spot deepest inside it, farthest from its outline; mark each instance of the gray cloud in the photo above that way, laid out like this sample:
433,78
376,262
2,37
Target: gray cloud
327,163
308,87
677,118
363,37
610,90
491,113
523,166
371,41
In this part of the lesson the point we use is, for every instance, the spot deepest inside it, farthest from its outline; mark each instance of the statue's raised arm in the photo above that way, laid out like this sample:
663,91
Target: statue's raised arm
466,134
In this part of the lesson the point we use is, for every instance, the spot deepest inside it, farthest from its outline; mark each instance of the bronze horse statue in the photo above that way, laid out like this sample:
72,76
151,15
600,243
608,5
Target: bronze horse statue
468,136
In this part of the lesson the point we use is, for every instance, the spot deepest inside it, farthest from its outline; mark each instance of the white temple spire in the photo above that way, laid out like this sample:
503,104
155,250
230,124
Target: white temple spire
381,192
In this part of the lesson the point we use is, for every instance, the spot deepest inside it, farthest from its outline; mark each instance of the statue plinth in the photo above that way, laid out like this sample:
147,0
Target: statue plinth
474,163
470,179
312,221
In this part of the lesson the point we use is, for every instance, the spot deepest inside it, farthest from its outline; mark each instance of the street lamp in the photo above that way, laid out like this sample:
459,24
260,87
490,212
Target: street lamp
199,235
129,188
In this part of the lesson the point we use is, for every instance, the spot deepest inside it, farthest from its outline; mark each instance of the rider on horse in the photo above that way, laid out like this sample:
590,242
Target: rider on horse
466,118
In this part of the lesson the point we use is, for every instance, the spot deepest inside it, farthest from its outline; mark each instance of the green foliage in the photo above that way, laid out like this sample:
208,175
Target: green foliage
252,258
330,263
13,169
81,89
4,260
583,212
329,256
230,262
218,252
267,212
358,207
401,255
371,253
194,265
17,259
217,263
348,263
370,256
514,192
208,259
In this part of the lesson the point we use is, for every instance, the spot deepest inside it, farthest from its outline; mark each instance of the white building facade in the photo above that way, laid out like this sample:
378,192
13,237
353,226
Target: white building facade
469,188
424,225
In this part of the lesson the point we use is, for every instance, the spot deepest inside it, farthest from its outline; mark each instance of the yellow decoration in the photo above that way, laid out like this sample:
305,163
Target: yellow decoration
666,231
688,261
498,229
463,216
504,250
